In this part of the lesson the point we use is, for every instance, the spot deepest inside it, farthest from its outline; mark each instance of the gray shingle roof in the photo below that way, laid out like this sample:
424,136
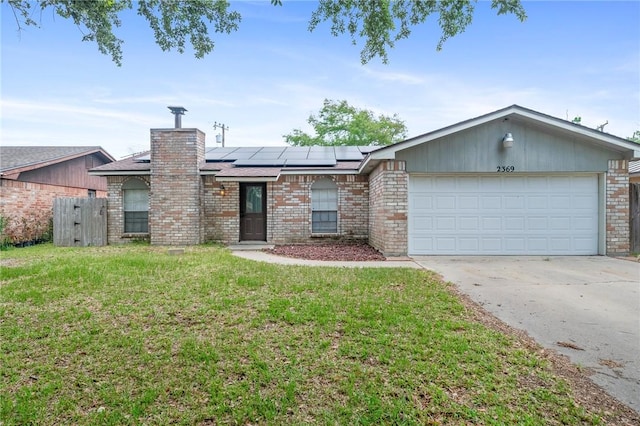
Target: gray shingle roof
13,157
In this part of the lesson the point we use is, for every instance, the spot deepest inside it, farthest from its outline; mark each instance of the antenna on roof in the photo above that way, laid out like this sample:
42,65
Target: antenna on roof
601,127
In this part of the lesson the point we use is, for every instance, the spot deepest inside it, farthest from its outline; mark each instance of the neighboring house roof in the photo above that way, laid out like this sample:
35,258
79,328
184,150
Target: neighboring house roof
17,159
629,149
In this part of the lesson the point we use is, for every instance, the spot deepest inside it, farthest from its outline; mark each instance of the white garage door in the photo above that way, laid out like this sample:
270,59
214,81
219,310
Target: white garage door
503,214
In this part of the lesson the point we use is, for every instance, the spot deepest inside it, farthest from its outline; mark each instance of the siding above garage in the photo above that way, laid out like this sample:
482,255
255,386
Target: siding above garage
479,150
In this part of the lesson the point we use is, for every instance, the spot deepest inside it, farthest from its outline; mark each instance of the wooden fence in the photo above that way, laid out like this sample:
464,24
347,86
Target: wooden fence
79,222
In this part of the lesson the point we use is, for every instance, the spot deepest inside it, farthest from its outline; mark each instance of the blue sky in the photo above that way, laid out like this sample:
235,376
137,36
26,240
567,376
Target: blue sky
567,59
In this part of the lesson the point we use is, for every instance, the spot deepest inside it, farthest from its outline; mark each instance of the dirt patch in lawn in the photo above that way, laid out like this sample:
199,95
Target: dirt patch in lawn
332,252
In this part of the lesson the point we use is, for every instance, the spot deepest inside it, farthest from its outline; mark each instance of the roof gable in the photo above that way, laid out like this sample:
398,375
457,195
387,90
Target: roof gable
549,123
17,159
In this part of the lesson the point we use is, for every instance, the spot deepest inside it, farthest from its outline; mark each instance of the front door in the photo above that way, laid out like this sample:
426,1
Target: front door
253,212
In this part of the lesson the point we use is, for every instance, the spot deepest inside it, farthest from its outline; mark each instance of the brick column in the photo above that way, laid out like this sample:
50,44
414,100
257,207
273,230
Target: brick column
617,208
388,208
175,200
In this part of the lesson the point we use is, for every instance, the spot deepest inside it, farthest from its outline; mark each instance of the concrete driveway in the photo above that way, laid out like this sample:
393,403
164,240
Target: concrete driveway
591,304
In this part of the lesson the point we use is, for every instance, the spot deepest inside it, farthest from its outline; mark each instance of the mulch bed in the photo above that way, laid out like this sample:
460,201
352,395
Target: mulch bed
344,252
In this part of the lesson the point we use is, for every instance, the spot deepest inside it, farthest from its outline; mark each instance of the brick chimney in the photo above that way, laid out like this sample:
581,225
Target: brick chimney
175,200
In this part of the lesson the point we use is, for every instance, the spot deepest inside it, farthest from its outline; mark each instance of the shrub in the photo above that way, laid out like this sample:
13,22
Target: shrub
28,229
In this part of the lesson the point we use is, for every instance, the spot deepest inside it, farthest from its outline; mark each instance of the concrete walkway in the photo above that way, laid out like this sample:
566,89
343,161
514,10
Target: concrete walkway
261,256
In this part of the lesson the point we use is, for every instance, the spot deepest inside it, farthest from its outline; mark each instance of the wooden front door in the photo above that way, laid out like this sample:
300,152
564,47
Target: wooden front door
253,212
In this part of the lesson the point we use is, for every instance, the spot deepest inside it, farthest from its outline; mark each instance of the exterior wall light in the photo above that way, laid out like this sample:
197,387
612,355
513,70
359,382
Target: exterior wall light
507,140
222,190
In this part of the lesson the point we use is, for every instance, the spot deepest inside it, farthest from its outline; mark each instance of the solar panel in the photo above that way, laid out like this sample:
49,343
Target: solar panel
348,153
219,154
244,153
268,153
321,153
295,152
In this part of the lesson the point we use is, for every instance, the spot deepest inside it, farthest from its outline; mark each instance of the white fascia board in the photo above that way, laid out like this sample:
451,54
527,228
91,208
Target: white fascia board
320,172
122,173
247,179
581,130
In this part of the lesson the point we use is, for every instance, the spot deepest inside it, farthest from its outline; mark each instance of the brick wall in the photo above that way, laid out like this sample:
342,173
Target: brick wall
617,208
32,203
115,212
176,197
221,215
388,208
288,209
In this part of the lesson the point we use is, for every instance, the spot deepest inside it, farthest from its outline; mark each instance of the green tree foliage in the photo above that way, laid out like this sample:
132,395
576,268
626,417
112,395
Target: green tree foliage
635,137
382,23
379,24
172,21
339,123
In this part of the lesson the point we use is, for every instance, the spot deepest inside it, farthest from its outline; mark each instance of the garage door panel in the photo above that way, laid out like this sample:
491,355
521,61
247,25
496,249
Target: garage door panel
582,202
537,223
469,244
491,202
469,223
444,202
446,223
468,202
490,245
422,224
514,244
559,224
506,214
514,184
422,201
582,223
491,223
513,202
514,223
445,243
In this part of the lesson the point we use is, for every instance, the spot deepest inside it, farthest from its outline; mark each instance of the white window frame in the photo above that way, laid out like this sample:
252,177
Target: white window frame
324,207
135,206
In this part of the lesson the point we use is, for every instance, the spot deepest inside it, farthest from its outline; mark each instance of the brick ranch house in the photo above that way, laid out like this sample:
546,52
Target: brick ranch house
514,181
32,176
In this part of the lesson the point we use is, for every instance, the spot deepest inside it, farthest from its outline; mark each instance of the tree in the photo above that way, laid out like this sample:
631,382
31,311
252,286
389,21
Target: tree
380,23
339,123
635,137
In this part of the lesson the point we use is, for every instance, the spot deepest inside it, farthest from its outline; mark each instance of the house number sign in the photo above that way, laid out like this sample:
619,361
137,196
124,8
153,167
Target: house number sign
505,169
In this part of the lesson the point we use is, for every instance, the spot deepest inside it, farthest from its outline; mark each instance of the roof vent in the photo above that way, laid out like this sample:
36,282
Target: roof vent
178,112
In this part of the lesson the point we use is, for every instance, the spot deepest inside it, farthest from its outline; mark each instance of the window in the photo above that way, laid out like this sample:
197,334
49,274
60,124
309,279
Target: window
136,206
91,193
324,207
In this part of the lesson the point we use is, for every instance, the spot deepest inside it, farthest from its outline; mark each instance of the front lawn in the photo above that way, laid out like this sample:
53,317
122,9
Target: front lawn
133,335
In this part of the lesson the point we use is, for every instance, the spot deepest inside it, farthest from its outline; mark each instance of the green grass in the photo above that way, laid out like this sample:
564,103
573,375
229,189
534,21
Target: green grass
130,335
